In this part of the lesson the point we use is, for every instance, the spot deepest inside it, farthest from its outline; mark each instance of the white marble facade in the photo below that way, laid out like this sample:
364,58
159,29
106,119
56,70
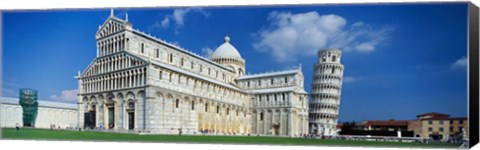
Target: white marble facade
141,83
325,94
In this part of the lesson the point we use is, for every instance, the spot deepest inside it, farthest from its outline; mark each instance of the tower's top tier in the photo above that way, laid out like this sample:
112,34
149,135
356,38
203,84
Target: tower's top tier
329,55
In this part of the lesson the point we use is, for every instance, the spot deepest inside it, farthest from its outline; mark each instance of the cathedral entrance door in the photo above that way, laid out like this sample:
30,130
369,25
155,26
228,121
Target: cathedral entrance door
89,119
111,117
86,120
131,120
276,129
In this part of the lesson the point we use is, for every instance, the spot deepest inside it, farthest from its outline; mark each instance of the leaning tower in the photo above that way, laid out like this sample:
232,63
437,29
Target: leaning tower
325,94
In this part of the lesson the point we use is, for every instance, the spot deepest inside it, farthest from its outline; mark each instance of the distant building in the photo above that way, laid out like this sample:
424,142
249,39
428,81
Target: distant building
439,126
61,114
432,125
386,125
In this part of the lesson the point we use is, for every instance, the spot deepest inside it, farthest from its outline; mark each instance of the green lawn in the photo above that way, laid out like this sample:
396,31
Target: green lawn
45,134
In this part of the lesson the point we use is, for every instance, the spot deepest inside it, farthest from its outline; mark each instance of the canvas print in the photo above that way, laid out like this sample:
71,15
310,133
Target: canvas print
381,75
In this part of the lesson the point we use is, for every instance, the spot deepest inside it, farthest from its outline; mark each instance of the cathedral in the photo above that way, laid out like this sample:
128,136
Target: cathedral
139,83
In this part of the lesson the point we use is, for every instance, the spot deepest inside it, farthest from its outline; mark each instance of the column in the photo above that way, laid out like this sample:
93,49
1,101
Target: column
134,79
141,77
264,123
107,84
130,78
281,123
107,47
115,81
115,45
289,123
95,84
120,110
122,80
104,83
215,118
271,121
87,85
127,44
110,82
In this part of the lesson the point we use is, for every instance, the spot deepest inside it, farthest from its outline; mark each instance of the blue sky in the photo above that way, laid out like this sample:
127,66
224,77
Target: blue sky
400,60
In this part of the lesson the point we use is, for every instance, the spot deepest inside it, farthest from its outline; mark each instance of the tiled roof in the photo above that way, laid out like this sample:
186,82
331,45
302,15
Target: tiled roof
180,49
196,75
269,74
339,125
432,114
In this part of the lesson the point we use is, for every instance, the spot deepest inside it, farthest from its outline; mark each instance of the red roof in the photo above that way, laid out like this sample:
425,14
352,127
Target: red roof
339,125
445,118
385,123
433,114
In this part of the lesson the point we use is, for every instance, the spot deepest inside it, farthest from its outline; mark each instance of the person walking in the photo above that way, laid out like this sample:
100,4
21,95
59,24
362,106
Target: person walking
17,126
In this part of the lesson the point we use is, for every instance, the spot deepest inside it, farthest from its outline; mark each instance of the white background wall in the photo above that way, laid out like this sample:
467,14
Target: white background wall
12,114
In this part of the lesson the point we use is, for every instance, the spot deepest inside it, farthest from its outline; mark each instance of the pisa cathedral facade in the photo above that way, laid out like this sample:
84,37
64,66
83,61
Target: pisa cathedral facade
140,83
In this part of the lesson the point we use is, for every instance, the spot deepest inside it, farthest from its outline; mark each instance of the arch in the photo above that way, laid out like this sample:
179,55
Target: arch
231,67
130,95
241,72
170,97
110,98
119,97
141,94
93,99
100,98
160,95
131,104
85,100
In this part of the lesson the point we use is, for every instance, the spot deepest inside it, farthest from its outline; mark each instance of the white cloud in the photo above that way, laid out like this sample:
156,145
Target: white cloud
460,63
358,24
289,36
10,87
8,92
207,52
177,18
349,79
366,47
66,96
176,43
165,22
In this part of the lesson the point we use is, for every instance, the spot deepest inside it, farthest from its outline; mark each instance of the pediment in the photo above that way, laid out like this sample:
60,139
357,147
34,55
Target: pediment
111,25
102,65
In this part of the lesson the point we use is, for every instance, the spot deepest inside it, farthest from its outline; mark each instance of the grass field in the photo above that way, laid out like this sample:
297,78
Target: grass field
45,134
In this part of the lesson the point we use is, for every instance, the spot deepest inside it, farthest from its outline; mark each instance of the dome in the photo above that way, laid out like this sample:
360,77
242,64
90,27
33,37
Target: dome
226,50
